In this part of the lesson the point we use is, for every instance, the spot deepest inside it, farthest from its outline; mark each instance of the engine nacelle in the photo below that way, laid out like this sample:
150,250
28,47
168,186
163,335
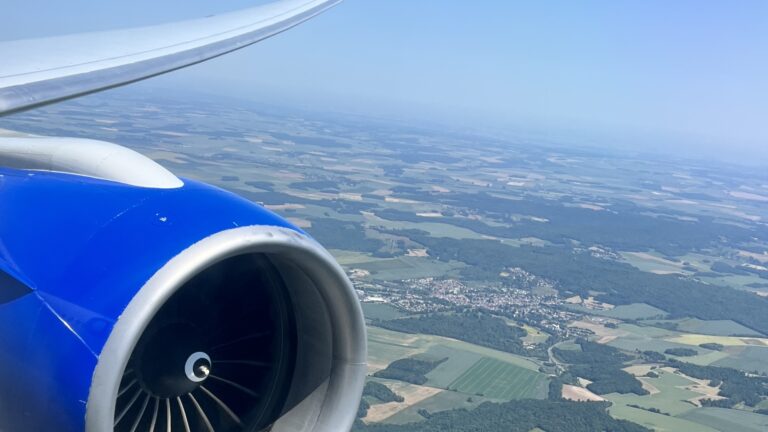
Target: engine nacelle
134,308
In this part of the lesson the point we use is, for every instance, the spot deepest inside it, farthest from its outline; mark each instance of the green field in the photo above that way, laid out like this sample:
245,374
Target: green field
381,311
646,331
671,397
648,338
386,346
715,327
446,400
706,357
499,380
626,312
634,311
350,258
729,420
633,343
409,268
523,362
749,358
652,262
447,372
657,422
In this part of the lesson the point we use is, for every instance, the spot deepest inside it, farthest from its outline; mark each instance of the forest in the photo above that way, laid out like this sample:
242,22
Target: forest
668,235
734,384
601,364
379,392
712,346
516,416
681,352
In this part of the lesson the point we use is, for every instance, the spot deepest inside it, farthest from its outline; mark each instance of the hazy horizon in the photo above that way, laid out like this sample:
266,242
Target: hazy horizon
687,77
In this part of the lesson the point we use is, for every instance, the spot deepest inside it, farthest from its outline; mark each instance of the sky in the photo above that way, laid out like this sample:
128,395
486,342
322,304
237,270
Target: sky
687,74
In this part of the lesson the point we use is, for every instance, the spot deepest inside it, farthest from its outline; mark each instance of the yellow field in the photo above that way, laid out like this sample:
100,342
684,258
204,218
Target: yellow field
412,394
580,394
697,339
534,335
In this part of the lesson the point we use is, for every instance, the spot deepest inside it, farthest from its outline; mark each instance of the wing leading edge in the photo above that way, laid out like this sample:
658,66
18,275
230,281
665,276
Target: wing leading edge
37,72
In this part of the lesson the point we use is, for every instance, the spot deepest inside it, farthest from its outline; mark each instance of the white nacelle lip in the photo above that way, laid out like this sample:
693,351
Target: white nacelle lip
332,407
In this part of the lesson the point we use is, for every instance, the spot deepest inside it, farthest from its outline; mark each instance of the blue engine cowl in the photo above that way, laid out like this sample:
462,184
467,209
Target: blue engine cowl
95,272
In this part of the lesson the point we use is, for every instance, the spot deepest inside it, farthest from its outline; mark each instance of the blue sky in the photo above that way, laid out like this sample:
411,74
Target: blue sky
687,74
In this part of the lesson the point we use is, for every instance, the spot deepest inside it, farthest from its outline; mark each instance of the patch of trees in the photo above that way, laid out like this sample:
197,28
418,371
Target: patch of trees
718,403
735,385
653,356
348,207
592,353
409,370
581,273
721,267
653,410
316,185
264,185
395,171
607,379
362,409
336,234
415,156
712,346
474,327
681,352
601,364
381,392
667,235
424,413
517,416
378,391
555,389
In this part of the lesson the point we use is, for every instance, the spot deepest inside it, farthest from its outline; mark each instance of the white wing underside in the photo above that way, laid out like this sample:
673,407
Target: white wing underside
41,71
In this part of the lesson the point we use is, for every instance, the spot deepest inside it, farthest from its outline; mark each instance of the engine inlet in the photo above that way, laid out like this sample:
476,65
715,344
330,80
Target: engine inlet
217,356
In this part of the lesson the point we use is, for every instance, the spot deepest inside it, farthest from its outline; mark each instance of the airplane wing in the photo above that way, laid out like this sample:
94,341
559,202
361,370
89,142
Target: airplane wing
139,286
37,72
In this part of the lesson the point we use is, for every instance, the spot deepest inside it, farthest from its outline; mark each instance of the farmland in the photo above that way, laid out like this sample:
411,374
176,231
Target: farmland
657,422
499,380
434,222
469,371
714,327
697,339
729,420
748,358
